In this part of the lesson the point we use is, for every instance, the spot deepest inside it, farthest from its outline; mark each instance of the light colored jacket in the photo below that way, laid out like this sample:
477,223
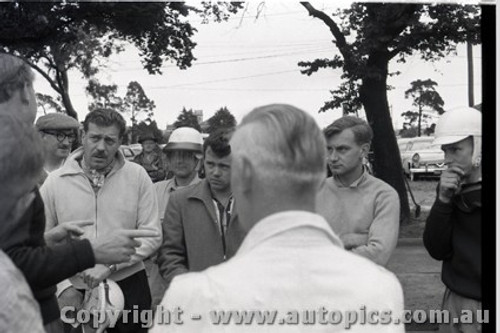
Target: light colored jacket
289,261
127,200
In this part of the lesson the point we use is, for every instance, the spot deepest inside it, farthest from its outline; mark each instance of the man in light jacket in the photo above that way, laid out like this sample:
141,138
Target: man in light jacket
96,183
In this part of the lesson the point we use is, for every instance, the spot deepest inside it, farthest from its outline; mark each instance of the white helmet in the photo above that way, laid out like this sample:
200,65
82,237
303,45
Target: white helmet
105,298
185,138
458,124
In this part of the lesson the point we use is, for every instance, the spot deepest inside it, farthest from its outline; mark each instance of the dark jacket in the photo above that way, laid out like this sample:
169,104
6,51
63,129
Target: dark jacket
453,234
45,266
191,237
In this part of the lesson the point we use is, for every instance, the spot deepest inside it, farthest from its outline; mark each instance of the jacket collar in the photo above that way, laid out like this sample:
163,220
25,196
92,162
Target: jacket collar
278,223
203,193
72,165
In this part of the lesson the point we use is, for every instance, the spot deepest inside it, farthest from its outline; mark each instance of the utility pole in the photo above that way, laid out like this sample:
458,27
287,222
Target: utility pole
470,68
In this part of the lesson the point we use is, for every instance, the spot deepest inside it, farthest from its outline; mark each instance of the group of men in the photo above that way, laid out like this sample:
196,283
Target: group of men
263,230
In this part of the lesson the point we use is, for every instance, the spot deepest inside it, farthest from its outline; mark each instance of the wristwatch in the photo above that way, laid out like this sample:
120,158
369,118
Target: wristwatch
112,268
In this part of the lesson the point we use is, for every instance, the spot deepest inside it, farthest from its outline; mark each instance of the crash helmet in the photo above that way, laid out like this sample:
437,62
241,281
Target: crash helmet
185,138
458,124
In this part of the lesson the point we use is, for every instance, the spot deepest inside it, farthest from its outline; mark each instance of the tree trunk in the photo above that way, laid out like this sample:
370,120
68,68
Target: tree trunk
387,161
68,106
419,120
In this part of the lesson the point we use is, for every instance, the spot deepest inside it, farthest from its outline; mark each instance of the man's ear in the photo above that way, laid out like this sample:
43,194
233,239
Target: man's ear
365,149
247,174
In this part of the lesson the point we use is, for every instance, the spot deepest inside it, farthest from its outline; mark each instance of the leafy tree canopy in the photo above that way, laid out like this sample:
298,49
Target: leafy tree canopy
55,37
221,119
187,118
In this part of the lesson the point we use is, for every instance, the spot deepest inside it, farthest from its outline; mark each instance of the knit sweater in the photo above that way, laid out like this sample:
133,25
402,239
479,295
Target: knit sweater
453,234
367,209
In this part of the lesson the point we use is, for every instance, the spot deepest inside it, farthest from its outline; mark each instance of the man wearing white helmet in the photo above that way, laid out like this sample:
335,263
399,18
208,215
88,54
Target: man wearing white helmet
184,151
453,229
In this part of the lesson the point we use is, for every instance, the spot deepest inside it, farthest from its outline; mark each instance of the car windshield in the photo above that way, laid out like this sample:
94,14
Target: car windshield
421,145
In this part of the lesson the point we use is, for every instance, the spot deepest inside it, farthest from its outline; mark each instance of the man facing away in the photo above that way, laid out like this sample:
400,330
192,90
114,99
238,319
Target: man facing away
47,259
361,209
58,132
184,151
200,226
96,183
290,259
19,311
453,230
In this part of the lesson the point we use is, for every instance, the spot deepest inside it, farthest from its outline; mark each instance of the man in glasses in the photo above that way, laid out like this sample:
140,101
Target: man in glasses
58,133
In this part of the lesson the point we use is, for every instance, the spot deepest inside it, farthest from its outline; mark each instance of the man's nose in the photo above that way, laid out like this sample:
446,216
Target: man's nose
448,158
217,171
332,156
100,145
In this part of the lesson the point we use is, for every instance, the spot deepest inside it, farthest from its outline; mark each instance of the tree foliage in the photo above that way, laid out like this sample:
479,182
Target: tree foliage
55,37
368,36
221,119
145,127
48,104
187,118
137,104
425,98
104,96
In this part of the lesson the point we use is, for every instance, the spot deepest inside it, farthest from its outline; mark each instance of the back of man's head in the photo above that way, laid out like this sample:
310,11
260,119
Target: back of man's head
15,74
21,161
285,145
362,131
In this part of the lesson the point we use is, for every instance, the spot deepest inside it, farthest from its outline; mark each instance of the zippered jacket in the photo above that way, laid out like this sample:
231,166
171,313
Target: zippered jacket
126,200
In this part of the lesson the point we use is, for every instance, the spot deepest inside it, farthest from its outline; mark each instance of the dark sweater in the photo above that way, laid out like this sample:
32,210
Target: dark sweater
453,234
45,266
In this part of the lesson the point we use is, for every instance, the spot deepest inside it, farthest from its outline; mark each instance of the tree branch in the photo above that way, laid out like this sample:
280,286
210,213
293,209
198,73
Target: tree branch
39,70
334,29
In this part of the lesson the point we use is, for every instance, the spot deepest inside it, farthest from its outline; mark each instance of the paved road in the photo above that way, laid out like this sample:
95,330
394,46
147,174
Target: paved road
420,277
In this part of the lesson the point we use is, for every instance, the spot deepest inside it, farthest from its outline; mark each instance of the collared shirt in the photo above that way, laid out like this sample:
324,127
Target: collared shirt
354,183
165,188
19,312
288,261
223,217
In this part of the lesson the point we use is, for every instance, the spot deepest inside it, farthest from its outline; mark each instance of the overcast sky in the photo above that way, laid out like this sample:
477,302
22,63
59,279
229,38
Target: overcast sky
248,62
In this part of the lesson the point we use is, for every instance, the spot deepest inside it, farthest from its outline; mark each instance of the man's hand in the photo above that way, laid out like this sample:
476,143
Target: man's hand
449,183
353,240
65,231
93,276
118,247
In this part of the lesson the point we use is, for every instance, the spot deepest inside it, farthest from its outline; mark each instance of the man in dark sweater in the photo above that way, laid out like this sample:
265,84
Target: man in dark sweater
453,230
48,259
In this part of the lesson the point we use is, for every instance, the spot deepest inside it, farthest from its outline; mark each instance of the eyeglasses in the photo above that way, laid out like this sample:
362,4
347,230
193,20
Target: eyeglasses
60,136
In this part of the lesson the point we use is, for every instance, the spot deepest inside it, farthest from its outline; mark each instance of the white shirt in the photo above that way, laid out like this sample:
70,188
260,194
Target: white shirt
290,262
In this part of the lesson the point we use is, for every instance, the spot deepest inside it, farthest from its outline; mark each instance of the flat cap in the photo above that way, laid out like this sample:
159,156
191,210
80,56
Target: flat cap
56,121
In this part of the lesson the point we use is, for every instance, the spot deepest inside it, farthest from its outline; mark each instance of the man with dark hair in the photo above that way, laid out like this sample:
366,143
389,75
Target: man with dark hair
97,183
361,209
200,226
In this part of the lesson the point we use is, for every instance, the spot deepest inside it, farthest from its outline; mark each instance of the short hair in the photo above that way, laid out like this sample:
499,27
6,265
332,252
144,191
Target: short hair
285,144
218,141
14,74
362,131
105,117
21,159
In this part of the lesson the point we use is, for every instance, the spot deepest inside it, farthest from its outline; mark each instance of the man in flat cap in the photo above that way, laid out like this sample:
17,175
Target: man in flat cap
58,132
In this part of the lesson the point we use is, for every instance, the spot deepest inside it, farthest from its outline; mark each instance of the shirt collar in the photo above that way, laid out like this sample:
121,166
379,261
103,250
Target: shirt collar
354,183
277,223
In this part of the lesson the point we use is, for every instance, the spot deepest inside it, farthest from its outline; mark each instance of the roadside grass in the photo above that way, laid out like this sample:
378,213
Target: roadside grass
424,192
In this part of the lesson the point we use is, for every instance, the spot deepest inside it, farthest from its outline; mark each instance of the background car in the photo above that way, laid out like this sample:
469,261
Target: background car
127,152
420,157
136,147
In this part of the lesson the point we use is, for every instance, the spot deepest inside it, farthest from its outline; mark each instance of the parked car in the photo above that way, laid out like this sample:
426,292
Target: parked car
136,147
127,152
420,157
